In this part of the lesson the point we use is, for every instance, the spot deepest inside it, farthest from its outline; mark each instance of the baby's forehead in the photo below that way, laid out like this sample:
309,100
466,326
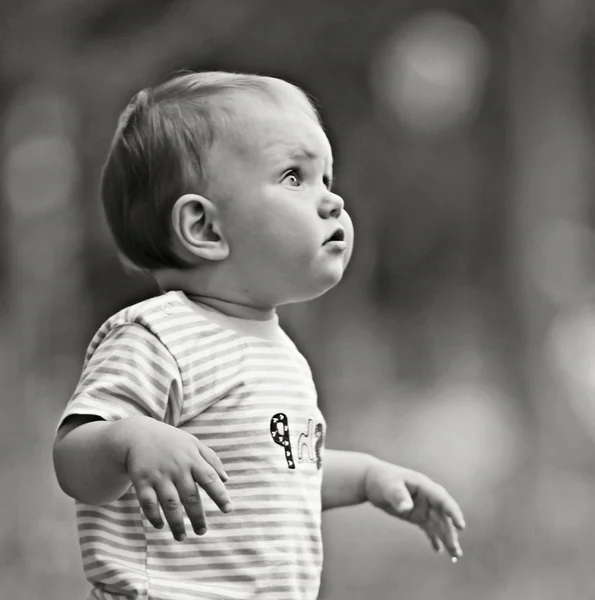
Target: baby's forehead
295,143
278,130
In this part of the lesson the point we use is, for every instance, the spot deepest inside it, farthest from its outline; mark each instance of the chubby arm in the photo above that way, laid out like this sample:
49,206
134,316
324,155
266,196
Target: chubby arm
97,461
90,459
351,478
344,476
128,384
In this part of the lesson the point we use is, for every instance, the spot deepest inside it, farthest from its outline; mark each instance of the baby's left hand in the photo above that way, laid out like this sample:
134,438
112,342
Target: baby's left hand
415,498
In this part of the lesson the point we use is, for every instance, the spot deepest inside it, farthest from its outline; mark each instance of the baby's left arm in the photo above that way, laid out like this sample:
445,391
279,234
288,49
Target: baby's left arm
351,478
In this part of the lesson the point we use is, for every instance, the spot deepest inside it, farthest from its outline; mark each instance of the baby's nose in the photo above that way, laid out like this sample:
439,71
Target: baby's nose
332,205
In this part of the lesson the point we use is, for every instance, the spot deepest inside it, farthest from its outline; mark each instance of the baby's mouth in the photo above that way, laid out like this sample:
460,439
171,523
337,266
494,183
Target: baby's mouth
337,236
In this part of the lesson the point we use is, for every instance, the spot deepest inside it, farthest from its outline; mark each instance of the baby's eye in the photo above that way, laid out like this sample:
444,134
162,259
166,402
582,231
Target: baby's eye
293,178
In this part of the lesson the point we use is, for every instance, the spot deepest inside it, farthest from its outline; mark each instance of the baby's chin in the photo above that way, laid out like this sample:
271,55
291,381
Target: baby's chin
317,288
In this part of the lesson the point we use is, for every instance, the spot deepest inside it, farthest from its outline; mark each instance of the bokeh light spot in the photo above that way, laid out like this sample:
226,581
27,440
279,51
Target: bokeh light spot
432,71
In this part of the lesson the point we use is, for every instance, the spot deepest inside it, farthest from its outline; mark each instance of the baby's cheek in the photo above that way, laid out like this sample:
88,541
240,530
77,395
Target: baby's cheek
347,225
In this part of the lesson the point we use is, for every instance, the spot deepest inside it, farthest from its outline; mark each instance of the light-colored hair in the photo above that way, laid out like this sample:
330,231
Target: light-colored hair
159,152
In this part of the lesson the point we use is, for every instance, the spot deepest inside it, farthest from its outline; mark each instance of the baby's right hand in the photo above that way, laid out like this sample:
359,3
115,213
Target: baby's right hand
165,465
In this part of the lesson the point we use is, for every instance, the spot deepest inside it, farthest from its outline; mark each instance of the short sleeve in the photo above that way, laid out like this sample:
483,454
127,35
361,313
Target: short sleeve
130,373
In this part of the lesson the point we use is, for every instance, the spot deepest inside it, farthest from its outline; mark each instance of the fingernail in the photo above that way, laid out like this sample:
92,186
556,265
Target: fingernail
227,508
181,537
454,559
201,531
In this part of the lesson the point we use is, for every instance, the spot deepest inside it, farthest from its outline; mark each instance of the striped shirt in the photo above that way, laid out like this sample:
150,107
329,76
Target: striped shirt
242,388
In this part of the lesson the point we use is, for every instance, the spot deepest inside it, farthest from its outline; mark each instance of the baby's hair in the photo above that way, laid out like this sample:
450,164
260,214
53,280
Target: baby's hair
159,153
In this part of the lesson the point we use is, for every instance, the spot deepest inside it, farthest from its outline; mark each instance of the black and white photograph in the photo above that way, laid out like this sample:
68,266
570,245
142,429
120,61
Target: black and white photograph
297,300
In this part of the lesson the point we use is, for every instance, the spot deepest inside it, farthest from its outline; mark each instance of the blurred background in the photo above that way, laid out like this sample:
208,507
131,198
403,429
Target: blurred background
460,343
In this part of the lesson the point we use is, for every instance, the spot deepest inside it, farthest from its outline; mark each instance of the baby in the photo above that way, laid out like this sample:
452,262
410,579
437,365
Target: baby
194,407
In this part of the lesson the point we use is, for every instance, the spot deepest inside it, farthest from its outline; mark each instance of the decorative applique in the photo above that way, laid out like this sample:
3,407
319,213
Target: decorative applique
280,435
310,443
319,432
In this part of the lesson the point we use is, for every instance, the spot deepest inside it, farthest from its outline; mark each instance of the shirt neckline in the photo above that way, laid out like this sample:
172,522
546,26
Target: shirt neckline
268,329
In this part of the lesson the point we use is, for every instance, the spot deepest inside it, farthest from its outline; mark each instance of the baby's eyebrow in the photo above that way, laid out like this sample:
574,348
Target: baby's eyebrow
307,154
301,153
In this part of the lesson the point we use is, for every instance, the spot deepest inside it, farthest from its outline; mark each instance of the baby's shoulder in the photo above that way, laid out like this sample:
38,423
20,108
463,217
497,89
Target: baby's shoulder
156,307
158,314
146,319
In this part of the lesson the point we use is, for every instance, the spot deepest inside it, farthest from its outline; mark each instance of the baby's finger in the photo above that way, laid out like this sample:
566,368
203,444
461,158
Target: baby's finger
147,499
434,541
400,499
208,479
420,513
453,510
453,545
447,532
443,500
211,457
172,509
190,498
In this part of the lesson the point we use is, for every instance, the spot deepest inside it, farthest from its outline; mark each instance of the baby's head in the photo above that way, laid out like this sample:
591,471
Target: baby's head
219,184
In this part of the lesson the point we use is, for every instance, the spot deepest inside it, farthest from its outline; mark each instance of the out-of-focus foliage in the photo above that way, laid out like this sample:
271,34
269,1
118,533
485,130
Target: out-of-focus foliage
461,341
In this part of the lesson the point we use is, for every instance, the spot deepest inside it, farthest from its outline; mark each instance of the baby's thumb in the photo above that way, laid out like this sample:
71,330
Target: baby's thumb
401,499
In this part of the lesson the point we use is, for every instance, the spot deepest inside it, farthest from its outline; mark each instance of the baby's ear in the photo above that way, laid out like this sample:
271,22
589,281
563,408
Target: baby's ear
196,228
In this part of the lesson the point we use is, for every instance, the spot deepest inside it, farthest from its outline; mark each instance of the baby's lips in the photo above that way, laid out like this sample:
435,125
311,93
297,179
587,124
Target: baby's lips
338,235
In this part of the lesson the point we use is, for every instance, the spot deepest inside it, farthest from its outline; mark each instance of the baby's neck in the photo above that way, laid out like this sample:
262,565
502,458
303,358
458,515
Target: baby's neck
213,291
233,309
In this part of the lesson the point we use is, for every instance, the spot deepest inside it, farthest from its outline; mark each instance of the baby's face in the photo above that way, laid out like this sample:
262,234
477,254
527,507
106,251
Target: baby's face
289,235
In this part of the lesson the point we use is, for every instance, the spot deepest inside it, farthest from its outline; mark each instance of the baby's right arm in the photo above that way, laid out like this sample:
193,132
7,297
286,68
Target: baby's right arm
114,433
96,461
